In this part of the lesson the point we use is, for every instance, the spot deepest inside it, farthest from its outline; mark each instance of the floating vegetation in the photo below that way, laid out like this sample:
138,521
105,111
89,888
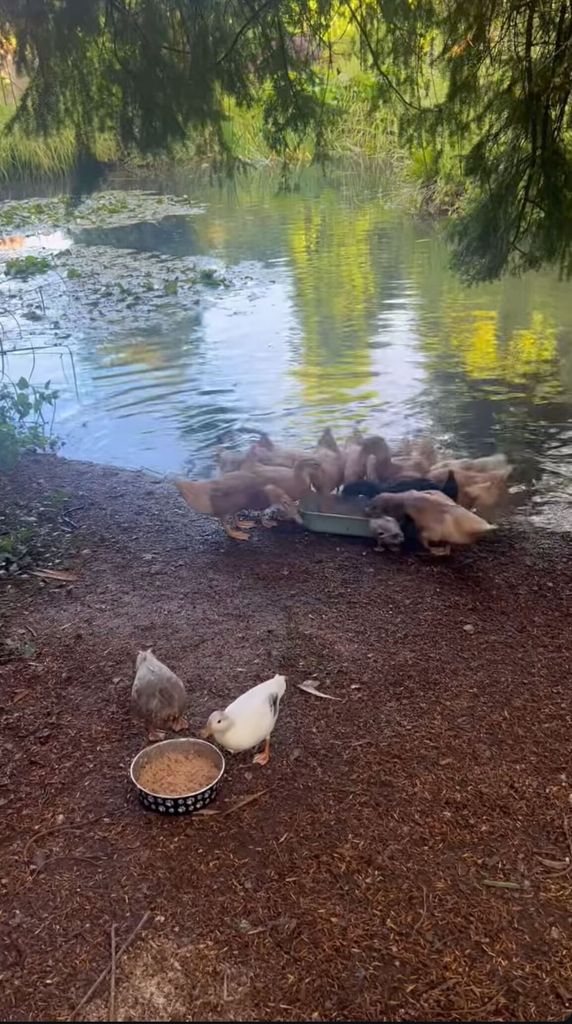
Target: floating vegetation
209,277
111,208
31,212
27,266
86,286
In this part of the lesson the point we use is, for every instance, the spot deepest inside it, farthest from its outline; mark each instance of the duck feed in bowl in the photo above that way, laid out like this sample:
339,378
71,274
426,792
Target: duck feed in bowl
178,776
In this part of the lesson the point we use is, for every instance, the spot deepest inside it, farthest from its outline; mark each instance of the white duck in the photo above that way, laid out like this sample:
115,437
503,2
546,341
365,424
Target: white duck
249,720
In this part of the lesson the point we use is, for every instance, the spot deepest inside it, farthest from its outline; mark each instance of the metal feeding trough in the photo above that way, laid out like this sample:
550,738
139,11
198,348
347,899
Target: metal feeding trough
331,513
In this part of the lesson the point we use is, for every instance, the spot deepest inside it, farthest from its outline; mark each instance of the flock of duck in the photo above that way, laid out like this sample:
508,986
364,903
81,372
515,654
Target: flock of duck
413,497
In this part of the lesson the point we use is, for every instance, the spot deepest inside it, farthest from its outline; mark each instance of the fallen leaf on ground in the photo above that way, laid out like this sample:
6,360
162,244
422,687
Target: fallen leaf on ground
311,686
55,574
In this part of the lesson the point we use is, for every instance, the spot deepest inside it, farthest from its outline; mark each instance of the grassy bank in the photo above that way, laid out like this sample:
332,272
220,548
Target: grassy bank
25,156
353,127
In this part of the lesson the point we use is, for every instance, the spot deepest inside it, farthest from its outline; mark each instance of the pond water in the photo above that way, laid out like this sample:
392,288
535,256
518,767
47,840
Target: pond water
188,312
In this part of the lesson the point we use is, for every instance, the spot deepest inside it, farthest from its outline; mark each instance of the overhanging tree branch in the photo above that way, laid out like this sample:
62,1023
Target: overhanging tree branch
375,61
244,28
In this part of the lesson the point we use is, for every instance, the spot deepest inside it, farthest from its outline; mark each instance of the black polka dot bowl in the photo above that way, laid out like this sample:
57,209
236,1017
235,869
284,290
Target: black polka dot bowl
174,806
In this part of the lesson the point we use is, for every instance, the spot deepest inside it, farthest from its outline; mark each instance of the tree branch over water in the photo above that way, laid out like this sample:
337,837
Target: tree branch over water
497,129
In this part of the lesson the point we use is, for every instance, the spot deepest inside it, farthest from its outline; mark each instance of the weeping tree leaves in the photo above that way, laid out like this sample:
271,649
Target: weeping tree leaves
147,70
509,89
487,82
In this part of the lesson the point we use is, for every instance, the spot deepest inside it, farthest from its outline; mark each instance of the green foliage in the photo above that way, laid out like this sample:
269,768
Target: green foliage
208,276
424,164
23,424
477,91
27,266
32,155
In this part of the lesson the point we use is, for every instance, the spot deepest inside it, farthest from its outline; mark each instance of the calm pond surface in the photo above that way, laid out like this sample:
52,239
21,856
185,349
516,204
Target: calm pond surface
187,313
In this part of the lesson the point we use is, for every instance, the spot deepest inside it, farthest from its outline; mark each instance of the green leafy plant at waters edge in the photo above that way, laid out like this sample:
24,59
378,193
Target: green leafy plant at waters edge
24,425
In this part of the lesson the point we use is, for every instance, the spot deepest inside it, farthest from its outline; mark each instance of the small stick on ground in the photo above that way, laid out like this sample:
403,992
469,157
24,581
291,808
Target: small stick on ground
112,976
106,971
424,912
567,834
236,806
64,827
502,885
244,800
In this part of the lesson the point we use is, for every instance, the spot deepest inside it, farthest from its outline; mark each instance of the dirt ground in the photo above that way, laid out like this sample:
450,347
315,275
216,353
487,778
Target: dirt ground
410,857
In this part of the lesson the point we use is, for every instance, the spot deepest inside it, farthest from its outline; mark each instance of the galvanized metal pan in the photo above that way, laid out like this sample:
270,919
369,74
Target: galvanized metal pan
330,513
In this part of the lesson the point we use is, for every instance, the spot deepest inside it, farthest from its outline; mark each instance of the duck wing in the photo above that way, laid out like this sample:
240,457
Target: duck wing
264,695
254,714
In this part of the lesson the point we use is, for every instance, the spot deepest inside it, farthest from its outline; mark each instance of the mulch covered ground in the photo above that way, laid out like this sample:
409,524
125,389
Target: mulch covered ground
410,854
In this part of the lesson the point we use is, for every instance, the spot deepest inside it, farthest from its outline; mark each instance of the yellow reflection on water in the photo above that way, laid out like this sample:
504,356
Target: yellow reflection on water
335,290
137,353
375,316
531,349
472,341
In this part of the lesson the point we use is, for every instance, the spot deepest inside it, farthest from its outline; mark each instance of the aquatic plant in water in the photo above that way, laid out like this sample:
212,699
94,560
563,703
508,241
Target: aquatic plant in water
27,266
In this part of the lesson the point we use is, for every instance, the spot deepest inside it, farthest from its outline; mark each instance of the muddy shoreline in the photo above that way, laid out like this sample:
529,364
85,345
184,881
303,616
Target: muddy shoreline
409,854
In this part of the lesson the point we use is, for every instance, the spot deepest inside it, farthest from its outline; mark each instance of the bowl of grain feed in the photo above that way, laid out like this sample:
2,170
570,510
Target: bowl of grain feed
178,776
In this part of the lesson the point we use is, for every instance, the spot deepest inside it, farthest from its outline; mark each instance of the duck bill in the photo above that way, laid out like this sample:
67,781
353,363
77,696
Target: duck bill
205,733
